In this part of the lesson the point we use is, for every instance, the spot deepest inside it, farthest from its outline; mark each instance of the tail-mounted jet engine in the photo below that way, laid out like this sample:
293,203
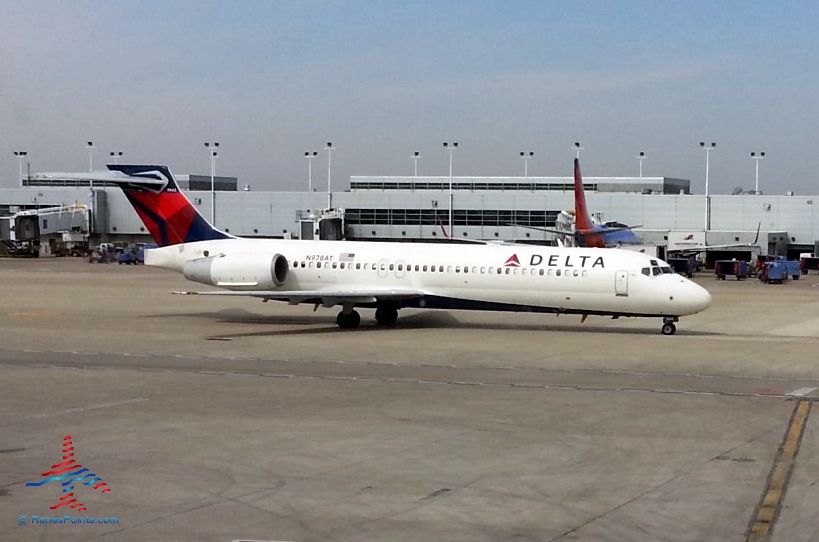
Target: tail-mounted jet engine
239,271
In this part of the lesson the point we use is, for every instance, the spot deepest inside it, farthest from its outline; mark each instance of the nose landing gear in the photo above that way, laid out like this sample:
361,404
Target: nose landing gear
668,325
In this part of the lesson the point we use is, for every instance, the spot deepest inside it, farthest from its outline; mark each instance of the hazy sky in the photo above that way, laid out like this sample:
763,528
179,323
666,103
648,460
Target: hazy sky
271,79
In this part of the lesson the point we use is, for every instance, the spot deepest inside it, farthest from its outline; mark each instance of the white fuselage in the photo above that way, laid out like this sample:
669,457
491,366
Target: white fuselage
492,277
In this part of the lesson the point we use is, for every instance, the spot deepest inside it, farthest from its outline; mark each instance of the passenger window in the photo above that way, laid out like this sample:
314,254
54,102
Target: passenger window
500,270
440,268
392,267
540,272
335,265
507,271
557,272
358,266
431,268
457,268
483,270
417,267
400,267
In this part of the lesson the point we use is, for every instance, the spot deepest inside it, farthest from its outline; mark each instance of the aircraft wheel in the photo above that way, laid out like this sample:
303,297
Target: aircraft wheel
386,316
348,321
669,329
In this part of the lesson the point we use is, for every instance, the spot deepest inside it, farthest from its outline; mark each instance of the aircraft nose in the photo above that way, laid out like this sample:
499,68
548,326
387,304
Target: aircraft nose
697,298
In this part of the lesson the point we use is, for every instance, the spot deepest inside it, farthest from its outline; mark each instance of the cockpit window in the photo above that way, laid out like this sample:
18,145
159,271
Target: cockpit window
667,270
653,262
655,271
646,271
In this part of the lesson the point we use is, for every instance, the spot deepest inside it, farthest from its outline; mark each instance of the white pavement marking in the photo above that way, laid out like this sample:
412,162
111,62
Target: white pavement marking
79,409
801,392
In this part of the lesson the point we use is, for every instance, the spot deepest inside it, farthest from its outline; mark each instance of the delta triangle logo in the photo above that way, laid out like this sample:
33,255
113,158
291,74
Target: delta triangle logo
512,261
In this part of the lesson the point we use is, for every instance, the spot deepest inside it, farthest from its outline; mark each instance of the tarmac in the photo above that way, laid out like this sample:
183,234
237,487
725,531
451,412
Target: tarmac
223,419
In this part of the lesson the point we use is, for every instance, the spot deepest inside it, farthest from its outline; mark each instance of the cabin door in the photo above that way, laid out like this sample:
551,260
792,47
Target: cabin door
621,283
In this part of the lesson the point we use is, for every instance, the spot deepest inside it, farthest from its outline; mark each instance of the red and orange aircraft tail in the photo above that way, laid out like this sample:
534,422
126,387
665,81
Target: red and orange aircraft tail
582,221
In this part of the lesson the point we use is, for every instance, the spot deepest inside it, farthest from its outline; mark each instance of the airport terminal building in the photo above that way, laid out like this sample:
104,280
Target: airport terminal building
429,207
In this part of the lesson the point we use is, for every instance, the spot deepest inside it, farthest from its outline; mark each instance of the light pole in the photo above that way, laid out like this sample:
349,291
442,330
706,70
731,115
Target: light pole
213,152
115,156
450,147
415,157
707,150
577,149
756,157
641,157
310,155
20,155
329,172
526,158
90,147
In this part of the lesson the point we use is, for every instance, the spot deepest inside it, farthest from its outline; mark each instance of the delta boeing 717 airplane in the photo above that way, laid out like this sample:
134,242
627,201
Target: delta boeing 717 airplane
389,276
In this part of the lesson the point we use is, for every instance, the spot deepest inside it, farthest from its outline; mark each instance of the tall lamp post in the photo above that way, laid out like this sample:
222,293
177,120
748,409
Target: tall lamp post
115,156
213,152
329,173
310,155
707,149
756,157
640,157
90,147
526,157
20,155
450,146
577,149
416,155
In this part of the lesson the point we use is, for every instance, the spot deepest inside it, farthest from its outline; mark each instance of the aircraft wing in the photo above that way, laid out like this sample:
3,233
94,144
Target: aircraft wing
705,248
327,298
104,176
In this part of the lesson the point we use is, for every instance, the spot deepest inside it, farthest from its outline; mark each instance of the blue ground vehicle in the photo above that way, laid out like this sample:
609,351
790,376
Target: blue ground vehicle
134,254
684,266
773,272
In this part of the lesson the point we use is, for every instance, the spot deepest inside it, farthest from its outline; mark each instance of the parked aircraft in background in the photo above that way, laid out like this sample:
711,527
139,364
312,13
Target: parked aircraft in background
579,228
689,243
389,276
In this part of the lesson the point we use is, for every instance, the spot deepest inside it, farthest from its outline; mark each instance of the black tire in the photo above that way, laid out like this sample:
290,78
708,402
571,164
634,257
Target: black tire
348,321
386,316
668,329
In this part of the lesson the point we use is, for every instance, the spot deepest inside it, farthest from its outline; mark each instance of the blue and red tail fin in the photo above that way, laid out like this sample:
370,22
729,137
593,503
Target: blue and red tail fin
163,208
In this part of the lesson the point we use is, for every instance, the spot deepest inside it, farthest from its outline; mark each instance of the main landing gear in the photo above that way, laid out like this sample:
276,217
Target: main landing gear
348,320
385,315
668,325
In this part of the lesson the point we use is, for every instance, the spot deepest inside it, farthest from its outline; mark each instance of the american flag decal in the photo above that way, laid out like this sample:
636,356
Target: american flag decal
348,257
